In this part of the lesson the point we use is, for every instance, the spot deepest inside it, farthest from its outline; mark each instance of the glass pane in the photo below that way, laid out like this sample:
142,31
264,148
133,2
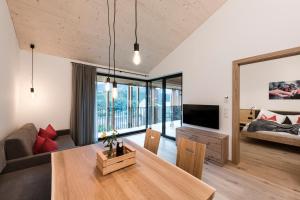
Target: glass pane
155,105
173,105
101,102
142,106
121,108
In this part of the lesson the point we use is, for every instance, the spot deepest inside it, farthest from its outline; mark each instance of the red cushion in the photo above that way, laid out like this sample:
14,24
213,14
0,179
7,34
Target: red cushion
49,145
38,144
43,133
51,131
298,122
272,118
46,134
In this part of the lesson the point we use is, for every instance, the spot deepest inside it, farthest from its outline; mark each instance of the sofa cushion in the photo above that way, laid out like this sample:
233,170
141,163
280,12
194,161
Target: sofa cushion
49,146
2,156
27,184
20,142
45,134
39,142
64,142
51,131
26,162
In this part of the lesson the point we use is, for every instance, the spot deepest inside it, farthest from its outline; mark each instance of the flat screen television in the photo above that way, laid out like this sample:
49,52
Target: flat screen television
201,115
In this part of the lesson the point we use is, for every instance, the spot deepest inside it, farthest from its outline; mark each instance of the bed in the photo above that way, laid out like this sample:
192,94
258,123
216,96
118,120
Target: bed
278,137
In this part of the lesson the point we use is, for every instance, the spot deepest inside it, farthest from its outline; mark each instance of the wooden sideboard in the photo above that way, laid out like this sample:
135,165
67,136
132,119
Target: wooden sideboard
216,143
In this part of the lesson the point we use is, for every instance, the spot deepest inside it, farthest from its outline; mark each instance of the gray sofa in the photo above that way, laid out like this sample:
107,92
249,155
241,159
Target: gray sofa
24,175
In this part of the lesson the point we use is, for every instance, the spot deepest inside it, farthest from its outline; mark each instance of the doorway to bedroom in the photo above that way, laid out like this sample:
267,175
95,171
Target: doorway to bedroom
266,138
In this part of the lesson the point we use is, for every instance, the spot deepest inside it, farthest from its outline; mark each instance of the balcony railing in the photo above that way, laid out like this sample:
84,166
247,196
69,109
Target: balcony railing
134,117
124,118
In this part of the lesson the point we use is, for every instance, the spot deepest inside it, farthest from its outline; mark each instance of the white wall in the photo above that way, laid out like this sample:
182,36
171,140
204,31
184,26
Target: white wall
240,28
255,79
9,60
52,83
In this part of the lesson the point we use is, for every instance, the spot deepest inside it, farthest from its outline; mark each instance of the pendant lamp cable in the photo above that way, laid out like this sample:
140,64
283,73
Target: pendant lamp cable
32,46
136,24
109,47
114,31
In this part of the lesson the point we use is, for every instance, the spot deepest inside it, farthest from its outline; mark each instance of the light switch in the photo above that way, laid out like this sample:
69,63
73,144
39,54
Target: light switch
226,99
225,113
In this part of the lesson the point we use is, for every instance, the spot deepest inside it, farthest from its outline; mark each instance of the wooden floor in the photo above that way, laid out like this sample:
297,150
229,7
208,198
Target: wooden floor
267,171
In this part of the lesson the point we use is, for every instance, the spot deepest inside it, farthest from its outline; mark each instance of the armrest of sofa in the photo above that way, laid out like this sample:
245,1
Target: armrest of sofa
63,132
26,162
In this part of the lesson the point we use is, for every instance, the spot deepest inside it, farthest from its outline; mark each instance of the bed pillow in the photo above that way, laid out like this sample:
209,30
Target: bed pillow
271,116
295,119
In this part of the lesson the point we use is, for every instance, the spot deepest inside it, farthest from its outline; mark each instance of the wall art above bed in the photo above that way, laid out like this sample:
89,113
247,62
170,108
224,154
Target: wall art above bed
284,90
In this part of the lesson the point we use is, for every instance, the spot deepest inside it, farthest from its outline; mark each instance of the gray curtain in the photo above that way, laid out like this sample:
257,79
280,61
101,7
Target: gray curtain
83,104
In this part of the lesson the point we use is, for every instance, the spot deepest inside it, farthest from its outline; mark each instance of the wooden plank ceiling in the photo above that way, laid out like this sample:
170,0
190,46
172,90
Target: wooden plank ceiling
77,29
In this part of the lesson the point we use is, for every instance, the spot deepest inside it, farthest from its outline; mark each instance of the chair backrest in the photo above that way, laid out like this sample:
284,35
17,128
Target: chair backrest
152,139
190,156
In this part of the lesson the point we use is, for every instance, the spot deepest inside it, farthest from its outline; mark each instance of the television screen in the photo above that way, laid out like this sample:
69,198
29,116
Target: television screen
201,115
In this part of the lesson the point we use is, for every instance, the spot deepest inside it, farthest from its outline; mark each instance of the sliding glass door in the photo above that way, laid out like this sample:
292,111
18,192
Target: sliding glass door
165,104
129,108
155,105
173,105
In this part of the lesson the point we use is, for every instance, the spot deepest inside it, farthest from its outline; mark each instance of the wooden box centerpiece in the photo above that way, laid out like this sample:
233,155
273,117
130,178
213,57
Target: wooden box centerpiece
107,164
114,158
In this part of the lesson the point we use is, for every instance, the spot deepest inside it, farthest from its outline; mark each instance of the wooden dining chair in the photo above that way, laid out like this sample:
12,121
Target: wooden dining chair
152,139
190,156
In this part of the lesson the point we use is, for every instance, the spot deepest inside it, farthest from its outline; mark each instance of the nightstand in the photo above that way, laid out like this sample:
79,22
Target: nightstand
246,116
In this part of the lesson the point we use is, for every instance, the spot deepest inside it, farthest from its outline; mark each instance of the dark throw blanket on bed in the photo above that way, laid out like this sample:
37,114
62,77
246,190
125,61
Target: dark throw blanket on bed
263,125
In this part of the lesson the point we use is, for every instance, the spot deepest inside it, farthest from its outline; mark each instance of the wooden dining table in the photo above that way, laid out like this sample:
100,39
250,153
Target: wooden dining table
75,176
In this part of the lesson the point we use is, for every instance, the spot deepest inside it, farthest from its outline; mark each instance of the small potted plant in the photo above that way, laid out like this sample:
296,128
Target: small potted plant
110,141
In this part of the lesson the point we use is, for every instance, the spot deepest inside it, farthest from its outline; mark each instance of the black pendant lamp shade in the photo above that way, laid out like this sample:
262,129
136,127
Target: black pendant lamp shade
32,88
136,47
115,90
107,79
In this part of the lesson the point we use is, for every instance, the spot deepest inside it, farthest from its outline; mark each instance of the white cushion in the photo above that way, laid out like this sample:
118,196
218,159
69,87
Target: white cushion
279,118
293,118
